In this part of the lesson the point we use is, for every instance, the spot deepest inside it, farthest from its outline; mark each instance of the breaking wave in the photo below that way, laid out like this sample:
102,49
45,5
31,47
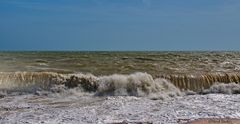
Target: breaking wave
200,82
136,84
231,88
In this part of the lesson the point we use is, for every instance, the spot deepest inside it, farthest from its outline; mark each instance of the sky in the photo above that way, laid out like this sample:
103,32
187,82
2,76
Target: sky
113,25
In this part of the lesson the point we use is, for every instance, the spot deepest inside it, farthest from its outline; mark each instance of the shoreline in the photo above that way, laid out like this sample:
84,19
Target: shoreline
89,109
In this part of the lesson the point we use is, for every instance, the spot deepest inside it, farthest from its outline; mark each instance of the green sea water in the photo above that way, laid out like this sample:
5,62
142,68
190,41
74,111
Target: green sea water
106,63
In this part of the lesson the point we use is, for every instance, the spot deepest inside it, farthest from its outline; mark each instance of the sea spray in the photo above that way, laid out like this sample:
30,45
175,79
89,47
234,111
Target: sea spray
136,84
231,88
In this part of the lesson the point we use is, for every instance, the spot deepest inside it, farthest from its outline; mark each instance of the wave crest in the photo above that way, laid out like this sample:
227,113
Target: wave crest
137,84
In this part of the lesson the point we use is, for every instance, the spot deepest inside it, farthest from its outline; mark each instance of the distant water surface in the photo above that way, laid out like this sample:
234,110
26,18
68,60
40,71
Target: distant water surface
106,63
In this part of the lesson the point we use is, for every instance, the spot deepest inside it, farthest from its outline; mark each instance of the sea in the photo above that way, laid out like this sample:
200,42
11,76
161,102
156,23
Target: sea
129,72
118,87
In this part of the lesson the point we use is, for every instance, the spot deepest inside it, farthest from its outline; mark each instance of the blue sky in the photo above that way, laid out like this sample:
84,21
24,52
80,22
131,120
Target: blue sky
119,24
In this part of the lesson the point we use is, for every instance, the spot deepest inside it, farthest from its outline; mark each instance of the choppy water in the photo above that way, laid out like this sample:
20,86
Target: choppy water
105,63
118,73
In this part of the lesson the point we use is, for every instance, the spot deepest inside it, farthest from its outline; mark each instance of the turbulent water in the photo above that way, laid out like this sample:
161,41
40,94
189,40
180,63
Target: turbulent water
120,73
115,87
